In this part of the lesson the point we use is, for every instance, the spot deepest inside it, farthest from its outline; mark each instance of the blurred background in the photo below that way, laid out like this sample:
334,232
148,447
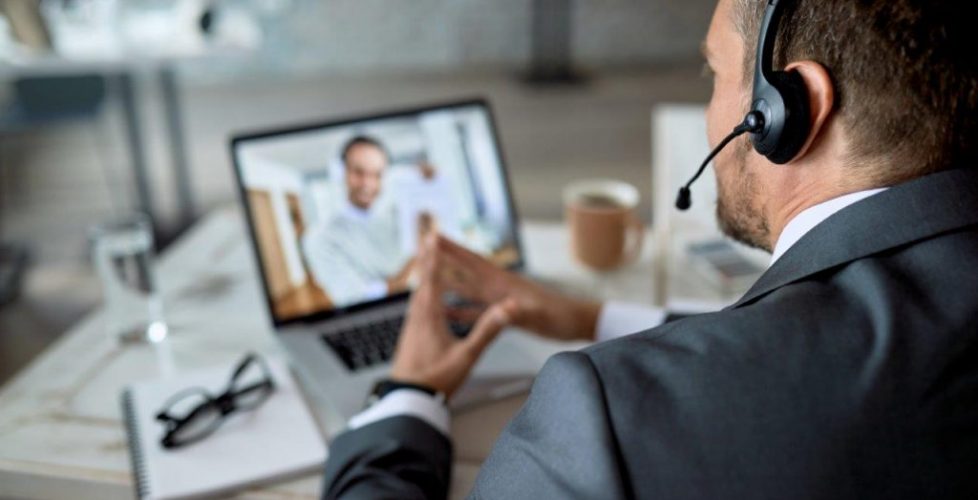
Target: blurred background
110,106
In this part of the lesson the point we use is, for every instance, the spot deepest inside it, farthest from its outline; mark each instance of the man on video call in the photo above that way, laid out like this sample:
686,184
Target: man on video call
356,255
849,370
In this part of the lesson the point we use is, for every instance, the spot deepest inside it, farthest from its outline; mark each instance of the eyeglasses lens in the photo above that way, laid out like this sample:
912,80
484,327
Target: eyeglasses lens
204,417
250,386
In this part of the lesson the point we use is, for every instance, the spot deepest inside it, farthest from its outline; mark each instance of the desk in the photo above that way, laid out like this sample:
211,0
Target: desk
60,431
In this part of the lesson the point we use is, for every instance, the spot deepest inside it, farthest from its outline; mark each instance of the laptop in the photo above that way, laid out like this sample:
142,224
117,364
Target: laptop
335,211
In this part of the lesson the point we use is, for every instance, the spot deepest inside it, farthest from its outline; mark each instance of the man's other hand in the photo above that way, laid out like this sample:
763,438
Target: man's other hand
401,281
428,171
537,309
427,352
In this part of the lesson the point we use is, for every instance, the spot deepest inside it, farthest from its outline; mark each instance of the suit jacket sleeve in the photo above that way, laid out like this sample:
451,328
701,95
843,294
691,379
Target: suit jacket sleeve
561,444
399,457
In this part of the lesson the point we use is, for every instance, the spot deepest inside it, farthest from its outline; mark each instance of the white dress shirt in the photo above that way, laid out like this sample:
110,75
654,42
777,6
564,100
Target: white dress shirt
352,254
812,216
617,319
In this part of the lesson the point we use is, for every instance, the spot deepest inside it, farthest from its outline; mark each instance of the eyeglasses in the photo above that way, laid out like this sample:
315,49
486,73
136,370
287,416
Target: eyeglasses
193,414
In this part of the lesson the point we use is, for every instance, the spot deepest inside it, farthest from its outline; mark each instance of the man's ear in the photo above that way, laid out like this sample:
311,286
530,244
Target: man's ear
821,98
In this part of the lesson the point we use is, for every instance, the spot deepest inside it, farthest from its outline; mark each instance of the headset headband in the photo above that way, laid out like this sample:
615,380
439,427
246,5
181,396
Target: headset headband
764,64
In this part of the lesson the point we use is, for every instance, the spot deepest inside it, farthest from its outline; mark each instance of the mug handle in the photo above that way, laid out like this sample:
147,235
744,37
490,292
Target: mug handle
635,237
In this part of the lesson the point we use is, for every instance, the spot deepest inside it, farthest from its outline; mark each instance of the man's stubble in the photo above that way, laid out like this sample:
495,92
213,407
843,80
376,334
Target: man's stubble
737,213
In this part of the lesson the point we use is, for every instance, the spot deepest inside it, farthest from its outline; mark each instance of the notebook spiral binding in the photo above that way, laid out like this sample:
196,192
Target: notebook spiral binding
141,481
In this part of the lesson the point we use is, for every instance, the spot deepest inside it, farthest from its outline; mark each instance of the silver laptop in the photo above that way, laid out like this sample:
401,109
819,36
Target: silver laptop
335,212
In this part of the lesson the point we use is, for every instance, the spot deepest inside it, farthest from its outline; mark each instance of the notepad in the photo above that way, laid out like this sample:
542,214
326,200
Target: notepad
277,440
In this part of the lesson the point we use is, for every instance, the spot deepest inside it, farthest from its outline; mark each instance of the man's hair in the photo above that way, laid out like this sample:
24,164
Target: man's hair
361,140
905,76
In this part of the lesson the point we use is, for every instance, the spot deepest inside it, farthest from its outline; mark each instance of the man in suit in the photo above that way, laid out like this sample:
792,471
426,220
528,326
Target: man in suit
849,370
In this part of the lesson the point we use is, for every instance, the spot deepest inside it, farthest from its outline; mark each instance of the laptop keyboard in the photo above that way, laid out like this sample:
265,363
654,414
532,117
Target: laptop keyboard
367,344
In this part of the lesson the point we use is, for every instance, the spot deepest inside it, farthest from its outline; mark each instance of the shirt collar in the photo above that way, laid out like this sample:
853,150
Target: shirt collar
812,216
354,212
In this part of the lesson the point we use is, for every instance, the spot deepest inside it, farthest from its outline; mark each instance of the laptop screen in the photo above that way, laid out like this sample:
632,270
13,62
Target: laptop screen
337,210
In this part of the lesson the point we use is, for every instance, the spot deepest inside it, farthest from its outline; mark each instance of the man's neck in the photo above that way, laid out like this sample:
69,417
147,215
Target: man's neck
807,219
790,209
804,195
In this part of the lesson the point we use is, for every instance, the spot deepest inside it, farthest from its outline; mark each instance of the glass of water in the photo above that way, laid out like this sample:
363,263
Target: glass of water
122,251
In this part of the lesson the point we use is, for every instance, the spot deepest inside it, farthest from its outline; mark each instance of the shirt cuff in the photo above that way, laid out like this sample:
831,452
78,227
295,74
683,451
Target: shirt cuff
405,402
375,290
618,319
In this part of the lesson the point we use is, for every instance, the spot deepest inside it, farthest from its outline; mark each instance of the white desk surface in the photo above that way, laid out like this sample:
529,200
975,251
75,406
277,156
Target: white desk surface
60,429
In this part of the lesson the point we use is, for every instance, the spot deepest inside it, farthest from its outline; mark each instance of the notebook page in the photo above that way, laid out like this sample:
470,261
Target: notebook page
274,441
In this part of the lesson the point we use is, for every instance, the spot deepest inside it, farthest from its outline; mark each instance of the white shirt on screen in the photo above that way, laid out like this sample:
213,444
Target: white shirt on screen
617,319
354,252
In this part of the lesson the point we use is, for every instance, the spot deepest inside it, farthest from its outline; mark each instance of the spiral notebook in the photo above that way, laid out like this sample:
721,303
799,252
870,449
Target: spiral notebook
275,441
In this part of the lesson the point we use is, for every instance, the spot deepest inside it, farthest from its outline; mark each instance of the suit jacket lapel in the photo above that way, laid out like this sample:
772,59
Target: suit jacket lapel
909,212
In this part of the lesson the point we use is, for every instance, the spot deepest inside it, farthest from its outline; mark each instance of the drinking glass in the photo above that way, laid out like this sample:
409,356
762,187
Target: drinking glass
122,252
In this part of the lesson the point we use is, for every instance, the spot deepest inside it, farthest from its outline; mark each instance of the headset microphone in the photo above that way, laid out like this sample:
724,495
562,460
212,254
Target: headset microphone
778,119
753,122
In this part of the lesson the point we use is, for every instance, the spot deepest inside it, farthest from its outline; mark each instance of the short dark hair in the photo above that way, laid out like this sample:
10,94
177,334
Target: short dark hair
361,140
905,76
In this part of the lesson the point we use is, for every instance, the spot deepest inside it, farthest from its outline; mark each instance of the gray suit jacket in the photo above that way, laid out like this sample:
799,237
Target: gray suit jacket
849,370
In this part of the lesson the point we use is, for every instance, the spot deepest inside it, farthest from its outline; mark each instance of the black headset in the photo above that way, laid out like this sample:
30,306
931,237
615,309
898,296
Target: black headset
779,115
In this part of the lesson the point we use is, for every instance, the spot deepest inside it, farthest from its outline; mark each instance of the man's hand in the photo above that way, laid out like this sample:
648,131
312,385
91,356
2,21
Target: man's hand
536,308
427,225
428,171
427,352
401,281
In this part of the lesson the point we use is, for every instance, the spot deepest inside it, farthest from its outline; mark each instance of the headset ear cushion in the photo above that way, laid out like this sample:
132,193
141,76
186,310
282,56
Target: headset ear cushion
793,91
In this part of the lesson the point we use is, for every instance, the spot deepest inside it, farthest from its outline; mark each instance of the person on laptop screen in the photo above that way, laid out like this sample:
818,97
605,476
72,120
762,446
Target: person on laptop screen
356,256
